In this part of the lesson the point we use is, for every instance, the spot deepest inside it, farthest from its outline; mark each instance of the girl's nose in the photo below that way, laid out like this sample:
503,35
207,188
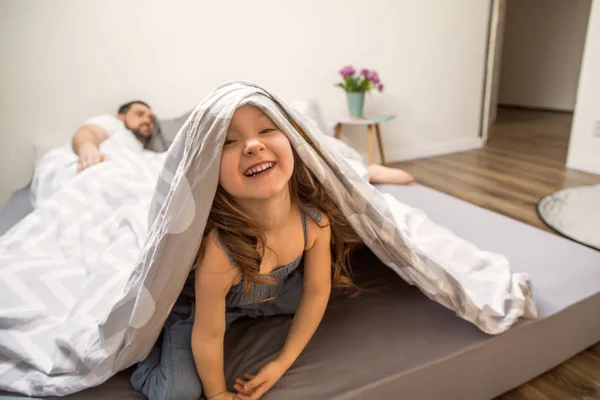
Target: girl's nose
253,147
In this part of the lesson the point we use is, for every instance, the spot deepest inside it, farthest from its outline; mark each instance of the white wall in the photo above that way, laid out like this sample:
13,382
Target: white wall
63,61
541,59
584,147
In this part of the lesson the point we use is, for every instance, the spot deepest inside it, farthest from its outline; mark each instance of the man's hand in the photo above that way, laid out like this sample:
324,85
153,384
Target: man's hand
255,386
88,156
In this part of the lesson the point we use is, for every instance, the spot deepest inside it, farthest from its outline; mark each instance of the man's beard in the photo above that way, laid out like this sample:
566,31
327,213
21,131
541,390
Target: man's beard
144,139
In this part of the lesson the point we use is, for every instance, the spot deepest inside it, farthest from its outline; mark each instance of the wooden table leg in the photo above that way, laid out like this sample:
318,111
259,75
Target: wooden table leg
371,152
381,154
338,131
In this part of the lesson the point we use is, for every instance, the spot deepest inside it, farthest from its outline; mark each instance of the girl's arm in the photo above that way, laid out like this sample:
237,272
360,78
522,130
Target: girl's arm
214,275
315,295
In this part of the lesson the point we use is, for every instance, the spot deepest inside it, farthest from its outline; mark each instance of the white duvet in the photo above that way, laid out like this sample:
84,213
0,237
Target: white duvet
63,265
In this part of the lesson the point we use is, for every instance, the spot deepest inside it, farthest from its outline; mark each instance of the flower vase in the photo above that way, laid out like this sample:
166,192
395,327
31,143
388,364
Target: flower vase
356,102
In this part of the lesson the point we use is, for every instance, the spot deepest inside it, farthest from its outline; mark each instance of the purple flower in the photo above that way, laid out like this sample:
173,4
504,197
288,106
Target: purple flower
365,72
373,77
380,87
347,71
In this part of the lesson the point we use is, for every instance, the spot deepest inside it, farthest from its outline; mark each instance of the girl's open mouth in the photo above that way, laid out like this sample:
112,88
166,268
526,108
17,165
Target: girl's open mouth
259,170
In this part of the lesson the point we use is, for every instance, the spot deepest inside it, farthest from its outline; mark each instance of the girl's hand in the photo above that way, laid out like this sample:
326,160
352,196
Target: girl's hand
255,386
223,396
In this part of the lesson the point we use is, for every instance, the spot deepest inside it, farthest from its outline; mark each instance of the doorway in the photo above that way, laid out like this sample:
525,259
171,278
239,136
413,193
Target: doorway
535,51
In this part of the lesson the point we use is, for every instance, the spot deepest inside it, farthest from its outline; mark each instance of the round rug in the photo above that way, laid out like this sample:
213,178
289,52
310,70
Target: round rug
574,213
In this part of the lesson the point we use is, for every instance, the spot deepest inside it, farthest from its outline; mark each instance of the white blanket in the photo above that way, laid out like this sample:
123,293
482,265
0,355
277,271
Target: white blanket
63,266
59,165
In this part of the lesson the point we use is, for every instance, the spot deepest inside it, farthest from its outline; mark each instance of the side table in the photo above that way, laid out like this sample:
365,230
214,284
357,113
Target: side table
371,123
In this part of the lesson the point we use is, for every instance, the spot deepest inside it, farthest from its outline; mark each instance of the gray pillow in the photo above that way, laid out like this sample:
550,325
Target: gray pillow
167,128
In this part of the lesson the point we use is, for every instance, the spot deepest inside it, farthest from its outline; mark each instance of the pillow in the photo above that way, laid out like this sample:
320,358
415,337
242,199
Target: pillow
44,146
168,130
310,109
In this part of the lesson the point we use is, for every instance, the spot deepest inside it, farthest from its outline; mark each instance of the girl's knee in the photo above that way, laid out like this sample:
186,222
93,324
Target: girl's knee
158,380
182,389
156,386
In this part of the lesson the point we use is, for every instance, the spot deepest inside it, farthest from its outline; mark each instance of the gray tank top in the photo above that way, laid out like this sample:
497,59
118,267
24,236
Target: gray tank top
286,275
236,296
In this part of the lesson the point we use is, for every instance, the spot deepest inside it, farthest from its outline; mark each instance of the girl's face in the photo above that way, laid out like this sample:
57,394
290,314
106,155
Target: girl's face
257,160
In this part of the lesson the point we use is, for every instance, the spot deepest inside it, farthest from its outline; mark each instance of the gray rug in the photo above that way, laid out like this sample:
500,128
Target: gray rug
574,213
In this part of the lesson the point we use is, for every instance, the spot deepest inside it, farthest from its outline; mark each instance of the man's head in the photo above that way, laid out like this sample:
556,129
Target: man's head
138,118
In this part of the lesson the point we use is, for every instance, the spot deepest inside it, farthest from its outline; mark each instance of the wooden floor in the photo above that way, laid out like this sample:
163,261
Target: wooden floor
523,160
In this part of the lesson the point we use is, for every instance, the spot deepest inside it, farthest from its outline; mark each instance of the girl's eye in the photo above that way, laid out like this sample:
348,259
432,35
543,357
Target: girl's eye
266,131
229,141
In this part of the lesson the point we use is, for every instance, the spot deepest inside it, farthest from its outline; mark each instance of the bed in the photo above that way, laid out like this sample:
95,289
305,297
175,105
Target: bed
16,208
393,342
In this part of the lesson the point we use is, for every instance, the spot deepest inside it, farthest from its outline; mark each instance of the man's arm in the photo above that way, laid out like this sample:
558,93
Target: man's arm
88,134
85,144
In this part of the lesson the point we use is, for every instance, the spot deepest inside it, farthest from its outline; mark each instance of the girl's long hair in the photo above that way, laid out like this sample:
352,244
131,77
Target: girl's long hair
238,233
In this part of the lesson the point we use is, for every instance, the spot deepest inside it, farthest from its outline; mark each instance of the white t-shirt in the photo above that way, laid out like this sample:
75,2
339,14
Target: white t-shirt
118,134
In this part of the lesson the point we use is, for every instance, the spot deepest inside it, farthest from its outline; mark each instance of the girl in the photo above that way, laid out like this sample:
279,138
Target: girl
274,244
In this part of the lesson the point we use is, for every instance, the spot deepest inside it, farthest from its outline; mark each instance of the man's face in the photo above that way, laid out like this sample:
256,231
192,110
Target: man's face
138,119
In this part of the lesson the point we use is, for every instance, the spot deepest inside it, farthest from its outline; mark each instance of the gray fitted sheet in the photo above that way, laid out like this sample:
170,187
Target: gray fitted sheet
17,207
393,342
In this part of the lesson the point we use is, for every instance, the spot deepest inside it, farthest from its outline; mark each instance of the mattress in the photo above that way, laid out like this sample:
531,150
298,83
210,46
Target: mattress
17,207
393,342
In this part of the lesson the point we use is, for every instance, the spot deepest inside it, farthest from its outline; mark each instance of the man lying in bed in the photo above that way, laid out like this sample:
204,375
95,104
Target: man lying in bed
134,122
132,126
122,138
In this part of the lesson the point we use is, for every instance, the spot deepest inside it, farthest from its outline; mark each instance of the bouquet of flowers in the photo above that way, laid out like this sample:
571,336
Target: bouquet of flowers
366,81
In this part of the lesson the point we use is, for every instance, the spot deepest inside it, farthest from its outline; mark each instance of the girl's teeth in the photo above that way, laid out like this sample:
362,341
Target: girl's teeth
260,169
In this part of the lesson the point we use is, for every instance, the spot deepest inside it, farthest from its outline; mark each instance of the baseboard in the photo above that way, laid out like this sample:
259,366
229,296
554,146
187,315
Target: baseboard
590,165
537,108
433,150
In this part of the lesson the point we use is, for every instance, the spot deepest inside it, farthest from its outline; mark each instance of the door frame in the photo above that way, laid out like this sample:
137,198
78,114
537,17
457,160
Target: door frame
491,76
